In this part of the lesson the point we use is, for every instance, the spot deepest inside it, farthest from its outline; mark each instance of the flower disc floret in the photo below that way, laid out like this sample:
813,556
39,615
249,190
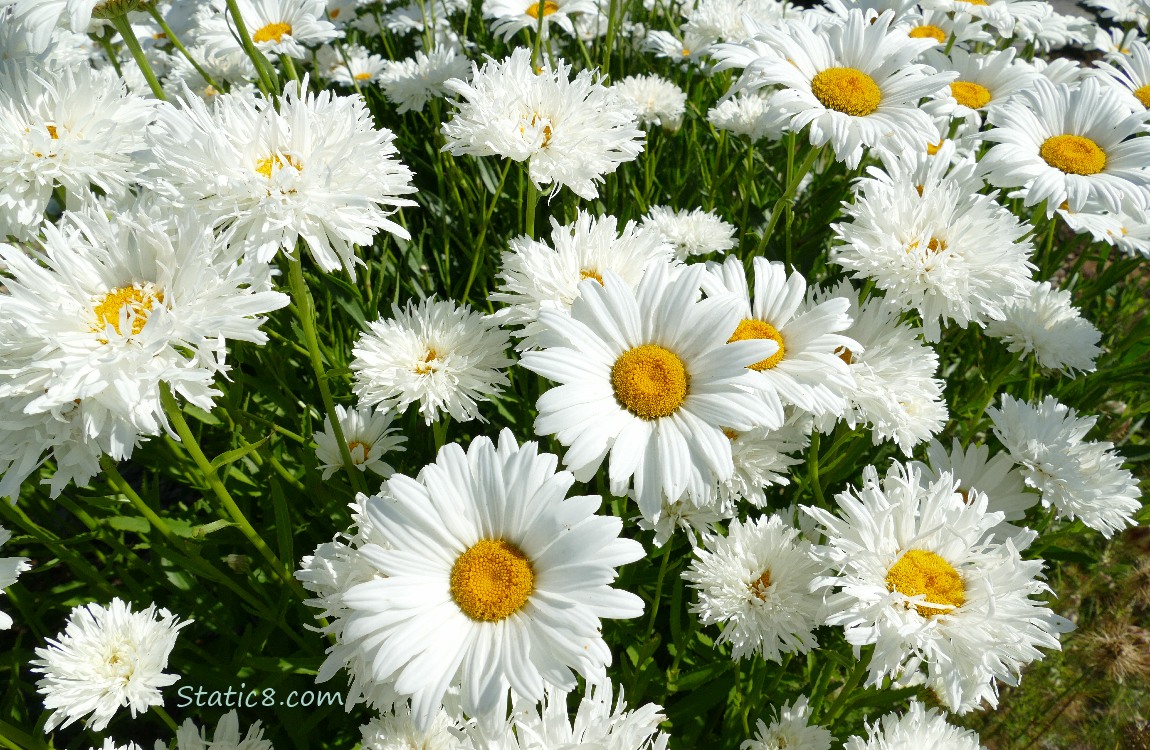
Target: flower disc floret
492,580
760,329
928,31
272,32
1142,94
1073,154
921,571
546,7
969,94
847,90
139,300
650,381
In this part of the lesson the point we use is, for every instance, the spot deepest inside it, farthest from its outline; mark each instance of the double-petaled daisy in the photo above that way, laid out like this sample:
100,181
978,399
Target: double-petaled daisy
369,436
918,575
412,83
488,579
226,736
750,115
762,458
852,82
106,659
650,377
598,722
918,727
571,132
657,101
1070,146
10,570
756,582
695,232
1045,324
791,730
397,729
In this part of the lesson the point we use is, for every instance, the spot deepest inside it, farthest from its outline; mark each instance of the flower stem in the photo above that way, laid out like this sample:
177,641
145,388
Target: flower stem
788,197
175,40
267,85
531,203
122,25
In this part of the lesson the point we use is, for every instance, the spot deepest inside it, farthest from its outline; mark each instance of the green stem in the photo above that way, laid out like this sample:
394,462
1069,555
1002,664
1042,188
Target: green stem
479,253
267,85
787,197
175,40
659,587
112,472
305,309
846,691
159,711
122,25
531,203
813,470
289,68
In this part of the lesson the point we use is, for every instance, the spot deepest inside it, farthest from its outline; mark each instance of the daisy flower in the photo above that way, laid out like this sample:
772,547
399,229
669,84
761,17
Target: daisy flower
412,83
39,18
536,276
356,65
1128,230
278,27
397,730
1072,146
596,723
509,17
762,457
369,436
756,583
804,371
570,132
657,101
941,26
1128,73
1081,479
683,515
649,376
490,580
225,737
918,576
1046,325
750,115
791,730
106,658
948,253
918,727
312,168
984,82
852,82
975,471
695,232
446,357
10,570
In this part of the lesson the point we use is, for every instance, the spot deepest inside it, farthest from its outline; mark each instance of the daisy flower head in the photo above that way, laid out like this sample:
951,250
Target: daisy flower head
226,736
791,730
804,371
397,730
649,376
974,470
918,727
505,578
1080,478
852,82
1069,146
446,357
40,18
597,722
657,101
106,659
278,27
1045,324
941,26
369,436
985,82
355,66
696,521
1128,72
509,17
750,115
536,276
948,253
570,132
918,575
1127,229
411,83
10,570
695,232
762,457
314,168
756,582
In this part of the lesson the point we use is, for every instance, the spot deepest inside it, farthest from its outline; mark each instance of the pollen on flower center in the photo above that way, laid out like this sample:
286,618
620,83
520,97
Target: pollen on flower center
492,580
1073,154
588,273
650,381
922,572
362,448
1142,94
546,6
936,245
425,366
276,162
362,76
970,94
847,90
760,585
928,31
139,301
53,132
976,2
760,329
273,32
846,355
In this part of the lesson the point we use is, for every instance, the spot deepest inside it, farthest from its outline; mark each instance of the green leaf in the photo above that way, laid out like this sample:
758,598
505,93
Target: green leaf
229,457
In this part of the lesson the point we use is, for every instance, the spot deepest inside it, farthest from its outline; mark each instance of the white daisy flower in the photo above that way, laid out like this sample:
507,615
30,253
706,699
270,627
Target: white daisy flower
354,66
762,457
1054,30
1129,231
570,132
412,83
791,730
1046,325
74,127
1128,73
919,577
1072,146
277,27
852,82
232,67
596,723
509,17
683,515
1080,479
491,581
10,570
756,583
918,727
369,436
750,115
948,253
106,658
536,276
311,168
686,50
657,101
985,82
648,376
397,730
446,357
1114,40
39,18
1006,16
804,371
695,232
225,737
941,26
727,20
895,388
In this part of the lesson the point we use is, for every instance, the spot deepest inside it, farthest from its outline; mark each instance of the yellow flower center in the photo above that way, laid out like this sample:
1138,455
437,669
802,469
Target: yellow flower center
650,381
922,572
138,299
53,132
928,31
932,149
760,329
846,355
1143,95
362,76
847,90
587,273
976,2
546,7
969,94
276,162
1073,154
273,32
361,456
936,245
760,585
492,580
425,366
730,434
